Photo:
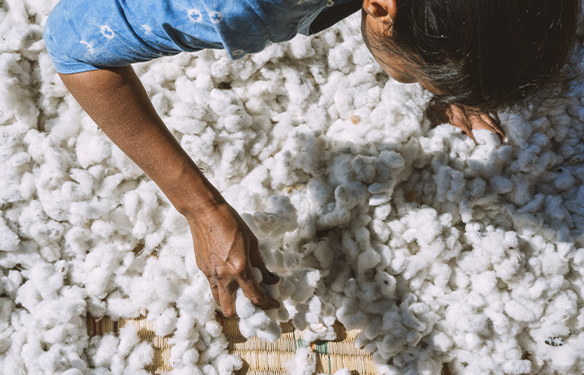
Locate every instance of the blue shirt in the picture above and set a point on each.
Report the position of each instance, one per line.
(83, 35)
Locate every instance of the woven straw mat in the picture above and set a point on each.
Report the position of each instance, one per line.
(259, 357)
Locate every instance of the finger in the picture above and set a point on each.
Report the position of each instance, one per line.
(461, 120)
(494, 126)
(495, 117)
(252, 290)
(227, 298)
(215, 292)
(257, 261)
(471, 135)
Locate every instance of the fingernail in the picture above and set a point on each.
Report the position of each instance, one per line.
(273, 276)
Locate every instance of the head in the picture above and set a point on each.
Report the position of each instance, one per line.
(487, 54)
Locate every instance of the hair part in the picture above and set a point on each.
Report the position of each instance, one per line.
(486, 54)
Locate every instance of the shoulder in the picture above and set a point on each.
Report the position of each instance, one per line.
(280, 20)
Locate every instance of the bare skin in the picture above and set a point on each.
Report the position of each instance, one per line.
(225, 248)
(465, 118)
(377, 17)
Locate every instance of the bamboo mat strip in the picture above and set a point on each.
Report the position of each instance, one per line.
(259, 357)
(262, 357)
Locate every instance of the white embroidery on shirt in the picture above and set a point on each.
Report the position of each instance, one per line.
(88, 46)
(107, 32)
(215, 17)
(330, 3)
(147, 29)
(195, 15)
(237, 52)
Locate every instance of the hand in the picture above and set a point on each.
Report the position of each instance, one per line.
(226, 250)
(463, 117)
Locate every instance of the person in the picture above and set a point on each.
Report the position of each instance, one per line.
(475, 56)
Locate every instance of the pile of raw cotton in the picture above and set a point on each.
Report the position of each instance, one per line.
(442, 252)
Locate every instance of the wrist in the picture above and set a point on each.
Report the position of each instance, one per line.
(190, 192)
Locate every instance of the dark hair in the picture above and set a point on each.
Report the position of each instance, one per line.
(487, 54)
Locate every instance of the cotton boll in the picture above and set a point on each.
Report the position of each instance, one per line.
(305, 285)
(254, 321)
(166, 323)
(244, 307)
(299, 48)
(177, 353)
(209, 370)
(502, 185)
(564, 181)
(286, 288)
(91, 149)
(565, 359)
(343, 371)
(8, 239)
(101, 228)
(424, 218)
(214, 328)
(11, 283)
(441, 341)
(259, 320)
(128, 339)
(524, 311)
(303, 363)
(367, 260)
(107, 348)
(82, 211)
(270, 333)
(380, 230)
(350, 315)
(552, 264)
(141, 356)
(386, 282)
(407, 318)
(227, 364)
(484, 283)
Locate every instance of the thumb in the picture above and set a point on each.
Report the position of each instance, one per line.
(257, 261)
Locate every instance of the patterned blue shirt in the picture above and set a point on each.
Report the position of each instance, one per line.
(83, 35)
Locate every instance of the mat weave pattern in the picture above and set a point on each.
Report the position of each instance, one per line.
(259, 357)
(264, 358)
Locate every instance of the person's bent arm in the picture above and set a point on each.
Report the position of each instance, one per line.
(225, 248)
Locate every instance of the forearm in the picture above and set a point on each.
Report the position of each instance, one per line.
(116, 100)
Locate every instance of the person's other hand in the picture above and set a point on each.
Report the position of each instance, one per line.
(225, 251)
(465, 118)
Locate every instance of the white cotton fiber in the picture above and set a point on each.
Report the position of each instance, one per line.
(303, 363)
(214, 328)
(368, 260)
(448, 255)
(254, 321)
(91, 149)
(166, 323)
(128, 339)
(107, 348)
(141, 356)
(8, 239)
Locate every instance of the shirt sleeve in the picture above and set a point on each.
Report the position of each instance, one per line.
(83, 35)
